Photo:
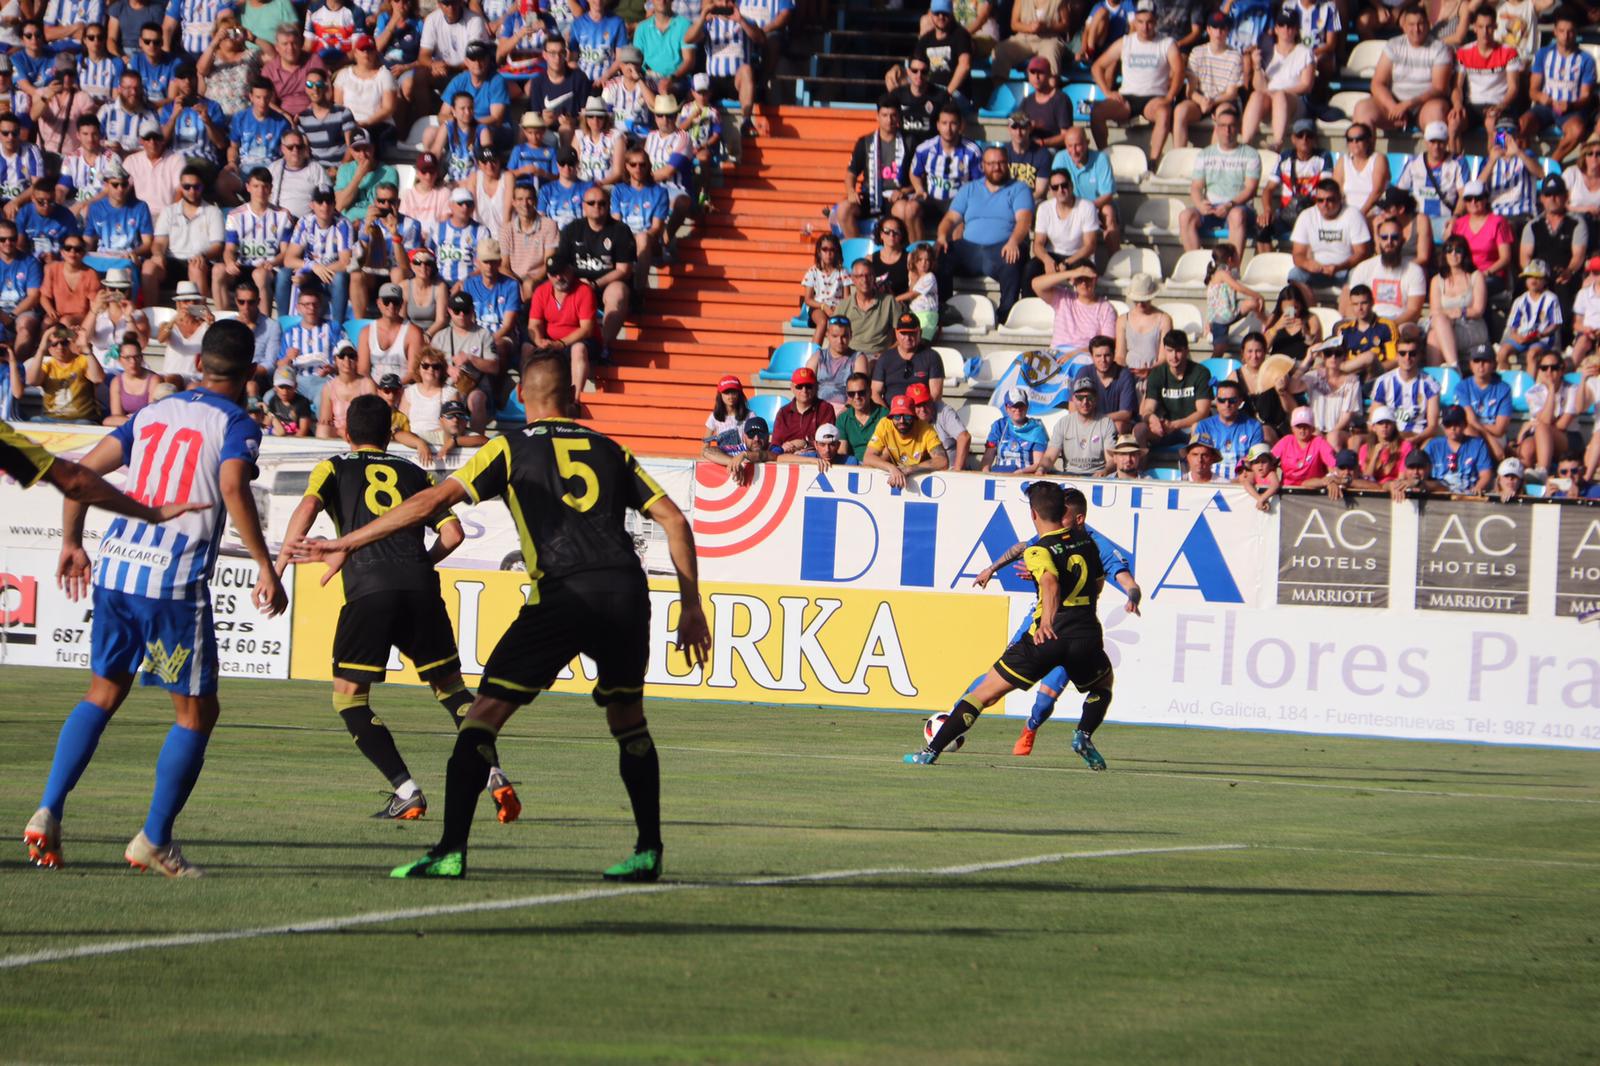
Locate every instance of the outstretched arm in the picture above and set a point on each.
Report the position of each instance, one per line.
(415, 511)
(78, 482)
(268, 594)
(694, 635)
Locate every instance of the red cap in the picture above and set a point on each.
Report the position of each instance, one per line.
(803, 376)
(427, 161)
(730, 382)
(918, 392)
(1594, 265)
(361, 43)
(900, 405)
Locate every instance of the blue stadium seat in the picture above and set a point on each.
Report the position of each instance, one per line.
(1397, 163)
(288, 322)
(1083, 98)
(512, 410)
(1448, 378)
(353, 328)
(786, 359)
(1005, 99)
(856, 248)
(1473, 165)
(766, 407)
(1163, 473)
(1520, 381)
(1220, 367)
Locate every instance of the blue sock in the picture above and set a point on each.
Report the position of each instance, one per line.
(975, 683)
(80, 734)
(1044, 705)
(177, 769)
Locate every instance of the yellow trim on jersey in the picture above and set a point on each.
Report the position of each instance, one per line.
(530, 551)
(429, 666)
(40, 459)
(362, 666)
(1025, 682)
(498, 448)
(319, 477)
(625, 690)
(512, 685)
(1038, 561)
(449, 516)
(656, 491)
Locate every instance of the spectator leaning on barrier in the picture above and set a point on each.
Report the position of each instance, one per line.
(1261, 476)
(995, 216)
(1333, 396)
(1570, 482)
(1304, 457)
(946, 423)
(1127, 458)
(1232, 431)
(1082, 440)
(1509, 480)
(728, 411)
(904, 445)
(741, 451)
(911, 362)
(1416, 476)
(1486, 401)
(1382, 458)
(1226, 176)
(1116, 392)
(1016, 444)
(860, 418)
(1460, 463)
(1409, 393)
(796, 422)
(1177, 393)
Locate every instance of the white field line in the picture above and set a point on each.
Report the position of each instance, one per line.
(1426, 857)
(330, 925)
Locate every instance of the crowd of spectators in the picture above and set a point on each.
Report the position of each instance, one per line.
(1406, 274)
(163, 164)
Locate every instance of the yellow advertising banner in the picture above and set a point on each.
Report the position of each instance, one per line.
(820, 646)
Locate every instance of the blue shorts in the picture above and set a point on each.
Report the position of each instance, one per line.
(173, 642)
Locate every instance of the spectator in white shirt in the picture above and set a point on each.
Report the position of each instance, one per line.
(188, 236)
(1330, 240)
(1398, 285)
(1411, 86)
(1288, 73)
(1066, 230)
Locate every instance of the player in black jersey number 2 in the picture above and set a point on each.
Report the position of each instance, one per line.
(1066, 630)
(568, 489)
(391, 599)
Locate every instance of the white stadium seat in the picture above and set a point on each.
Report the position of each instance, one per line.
(1129, 165)
(1329, 317)
(1363, 61)
(1030, 315)
(1185, 316)
(1156, 218)
(1189, 275)
(1126, 263)
(1267, 272)
(977, 314)
(405, 176)
(1175, 173)
(1119, 306)
(1345, 102)
(978, 417)
(1269, 162)
(954, 364)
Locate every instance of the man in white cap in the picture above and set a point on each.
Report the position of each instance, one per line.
(454, 240)
(1411, 86)
(189, 235)
(497, 300)
(1436, 177)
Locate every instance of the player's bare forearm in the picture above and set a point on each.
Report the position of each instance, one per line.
(299, 526)
(450, 538)
(235, 485)
(1131, 587)
(1049, 604)
(694, 635)
(89, 489)
(415, 511)
(103, 458)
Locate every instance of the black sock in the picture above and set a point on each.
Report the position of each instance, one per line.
(1095, 706)
(958, 721)
(464, 779)
(641, 776)
(372, 737)
(455, 700)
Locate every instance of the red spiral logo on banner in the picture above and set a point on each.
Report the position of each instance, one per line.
(730, 518)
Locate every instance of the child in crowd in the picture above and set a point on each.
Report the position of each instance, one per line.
(1227, 298)
(330, 29)
(1534, 322)
(1260, 476)
(827, 282)
(1383, 457)
(922, 297)
(702, 122)
(533, 162)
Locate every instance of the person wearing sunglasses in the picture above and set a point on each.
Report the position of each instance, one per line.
(345, 385)
(1570, 482)
(68, 379)
(290, 68)
(1328, 241)
(1582, 180)
(1025, 160)
(1486, 399)
(561, 315)
(1362, 173)
(904, 445)
(356, 183)
(98, 69)
(56, 108)
(605, 254)
(69, 287)
(368, 90)
(835, 361)
(858, 420)
(387, 238)
(188, 236)
(44, 222)
(21, 163)
(228, 64)
(1233, 430)
(1397, 285)
(1553, 406)
(1437, 178)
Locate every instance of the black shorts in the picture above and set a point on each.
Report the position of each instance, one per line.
(1138, 103)
(604, 614)
(723, 87)
(1082, 655)
(409, 619)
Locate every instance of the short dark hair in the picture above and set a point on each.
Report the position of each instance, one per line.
(550, 358)
(1566, 13)
(193, 170)
(1100, 340)
(1329, 185)
(952, 109)
(1360, 290)
(244, 284)
(1075, 501)
(259, 174)
(1176, 338)
(1230, 383)
(228, 350)
(887, 102)
(368, 420)
(88, 118)
(1047, 500)
(261, 83)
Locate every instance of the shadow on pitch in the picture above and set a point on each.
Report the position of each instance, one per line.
(692, 929)
(963, 830)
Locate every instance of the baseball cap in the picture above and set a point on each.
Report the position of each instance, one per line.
(919, 393)
(1535, 269)
(1015, 398)
(803, 376)
(900, 406)
(283, 376)
(1303, 125)
(907, 323)
(322, 195)
(1082, 385)
(359, 139)
(1262, 451)
(453, 409)
(1302, 417)
(461, 196)
(629, 54)
(460, 302)
(390, 291)
(1505, 123)
(65, 62)
(1379, 413)
(1482, 353)
(1472, 188)
(1346, 459)
(389, 381)
(700, 83)
(1395, 196)
(826, 433)
(1593, 265)
(1201, 439)
(940, 7)
(1288, 15)
(1552, 185)
(730, 383)
(362, 42)
(427, 161)
(149, 127)
(1453, 416)
(1436, 131)
(485, 153)
(756, 426)
(1040, 63)
(488, 250)
(1019, 117)
(1511, 466)
(114, 171)
(342, 347)
(480, 50)
(1418, 460)
(567, 157)
(1220, 20)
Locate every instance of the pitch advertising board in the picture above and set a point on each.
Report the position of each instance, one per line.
(1473, 556)
(1334, 552)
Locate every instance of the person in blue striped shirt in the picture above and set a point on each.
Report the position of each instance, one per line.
(308, 344)
(1562, 88)
(939, 167)
(1511, 174)
(98, 69)
(20, 163)
(1534, 322)
(32, 65)
(121, 117)
(454, 240)
(321, 245)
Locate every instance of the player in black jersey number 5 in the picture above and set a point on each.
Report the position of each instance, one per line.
(391, 599)
(1066, 630)
(568, 489)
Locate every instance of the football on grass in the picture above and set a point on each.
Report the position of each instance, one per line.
(930, 729)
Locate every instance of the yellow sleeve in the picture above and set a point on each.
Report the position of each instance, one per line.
(1394, 334)
(22, 458)
(1038, 561)
(644, 490)
(489, 472)
(321, 475)
(929, 442)
(399, 422)
(880, 435)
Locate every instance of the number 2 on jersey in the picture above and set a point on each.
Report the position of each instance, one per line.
(383, 490)
(1076, 598)
(568, 467)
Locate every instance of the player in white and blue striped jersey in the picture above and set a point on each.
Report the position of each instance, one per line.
(1535, 321)
(192, 22)
(151, 591)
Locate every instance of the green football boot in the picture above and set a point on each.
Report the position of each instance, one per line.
(452, 864)
(640, 866)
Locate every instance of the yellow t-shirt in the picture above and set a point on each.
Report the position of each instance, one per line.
(68, 392)
(905, 450)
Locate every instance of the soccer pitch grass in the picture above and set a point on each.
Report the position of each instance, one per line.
(1385, 901)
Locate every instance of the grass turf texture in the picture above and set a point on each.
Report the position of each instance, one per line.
(1366, 923)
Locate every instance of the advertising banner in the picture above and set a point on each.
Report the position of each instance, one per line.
(1334, 553)
(1473, 557)
(1578, 562)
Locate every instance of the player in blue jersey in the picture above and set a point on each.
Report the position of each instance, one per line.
(1050, 688)
(152, 599)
